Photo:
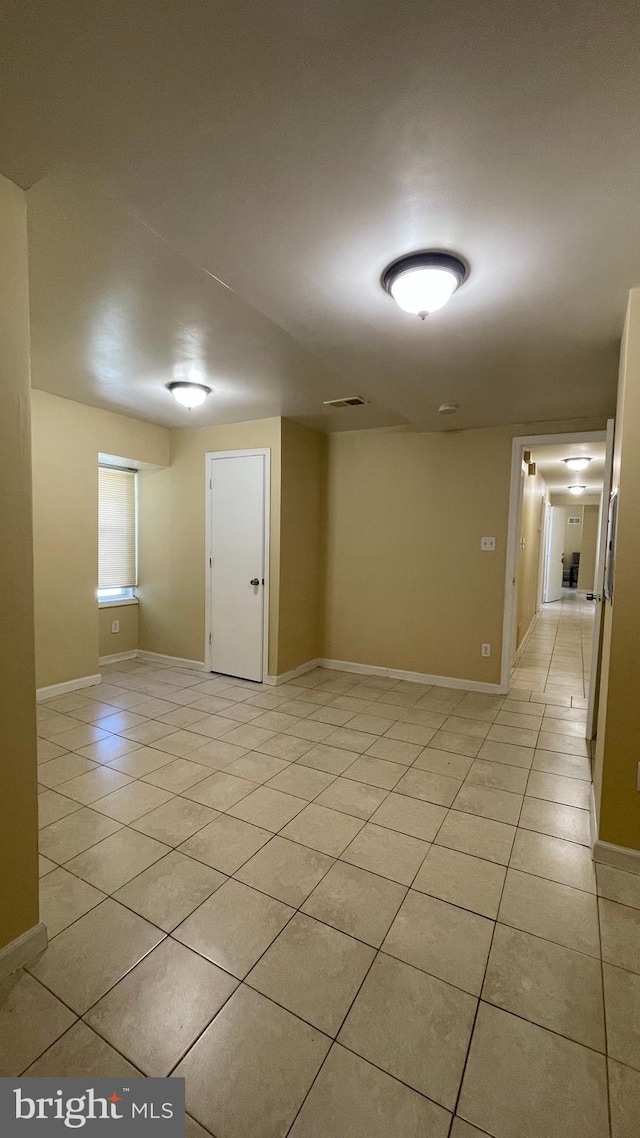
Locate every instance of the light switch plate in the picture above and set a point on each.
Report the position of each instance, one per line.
(488, 544)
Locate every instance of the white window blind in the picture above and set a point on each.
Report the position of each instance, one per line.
(116, 528)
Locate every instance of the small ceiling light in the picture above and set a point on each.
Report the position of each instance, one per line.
(188, 394)
(577, 490)
(423, 282)
(577, 463)
(448, 408)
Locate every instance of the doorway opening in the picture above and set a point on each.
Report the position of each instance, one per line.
(555, 567)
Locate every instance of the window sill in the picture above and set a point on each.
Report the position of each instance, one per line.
(118, 603)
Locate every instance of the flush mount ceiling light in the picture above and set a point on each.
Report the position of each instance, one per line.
(577, 490)
(448, 408)
(188, 394)
(577, 463)
(423, 282)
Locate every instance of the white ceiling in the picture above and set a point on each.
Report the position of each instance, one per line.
(116, 314)
(291, 149)
(549, 461)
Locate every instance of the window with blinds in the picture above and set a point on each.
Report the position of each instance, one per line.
(116, 533)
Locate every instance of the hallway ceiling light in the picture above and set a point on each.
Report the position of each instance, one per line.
(577, 463)
(188, 394)
(448, 408)
(577, 490)
(423, 282)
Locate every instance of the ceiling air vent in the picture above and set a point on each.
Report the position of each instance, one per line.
(348, 401)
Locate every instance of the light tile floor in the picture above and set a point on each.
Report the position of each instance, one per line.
(557, 656)
(347, 907)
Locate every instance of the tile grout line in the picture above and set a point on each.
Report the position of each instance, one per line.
(484, 976)
(373, 961)
(605, 1017)
(365, 822)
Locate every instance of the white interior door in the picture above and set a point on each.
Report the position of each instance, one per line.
(237, 550)
(554, 552)
(601, 549)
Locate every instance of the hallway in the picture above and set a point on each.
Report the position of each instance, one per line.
(557, 656)
(345, 907)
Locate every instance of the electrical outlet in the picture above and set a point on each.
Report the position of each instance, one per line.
(488, 544)
(115, 625)
(486, 650)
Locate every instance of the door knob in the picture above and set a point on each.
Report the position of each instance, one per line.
(254, 581)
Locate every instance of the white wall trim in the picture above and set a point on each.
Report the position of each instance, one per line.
(412, 677)
(509, 622)
(150, 658)
(391, 673)
(527, 636)
(118, 657)
(621, 857)
(68, 685)
(118, 604)
(23, 949)
(293, 673)
(174, 661)
(598, 582)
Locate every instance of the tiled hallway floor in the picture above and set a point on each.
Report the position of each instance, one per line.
(557, 656)
(347, 907)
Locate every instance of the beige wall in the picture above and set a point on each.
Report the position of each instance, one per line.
(587, 573)
(172, 538)
(67, 438)
(402, 582)
(126, 640)
(570, 501)
(618, 740)
(302, 524)
(534, 495)
(407, 585)
(18, 788)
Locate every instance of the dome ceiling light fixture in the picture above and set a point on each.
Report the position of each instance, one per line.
(421, 283)
(188, 394)
(577, 490)
(577, 463)
(448, 408)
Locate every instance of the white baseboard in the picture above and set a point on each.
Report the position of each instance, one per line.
(526, 637)
(293, 673)
(412, 677)
(23, 949)
(175, 661)
(620, 857)
(118, 657)
(334, 665)
(68, 685)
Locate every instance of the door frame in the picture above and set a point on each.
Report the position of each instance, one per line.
(546, 534)
(509, 621)
(547, 550)
(210, 457)
(602, 539)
